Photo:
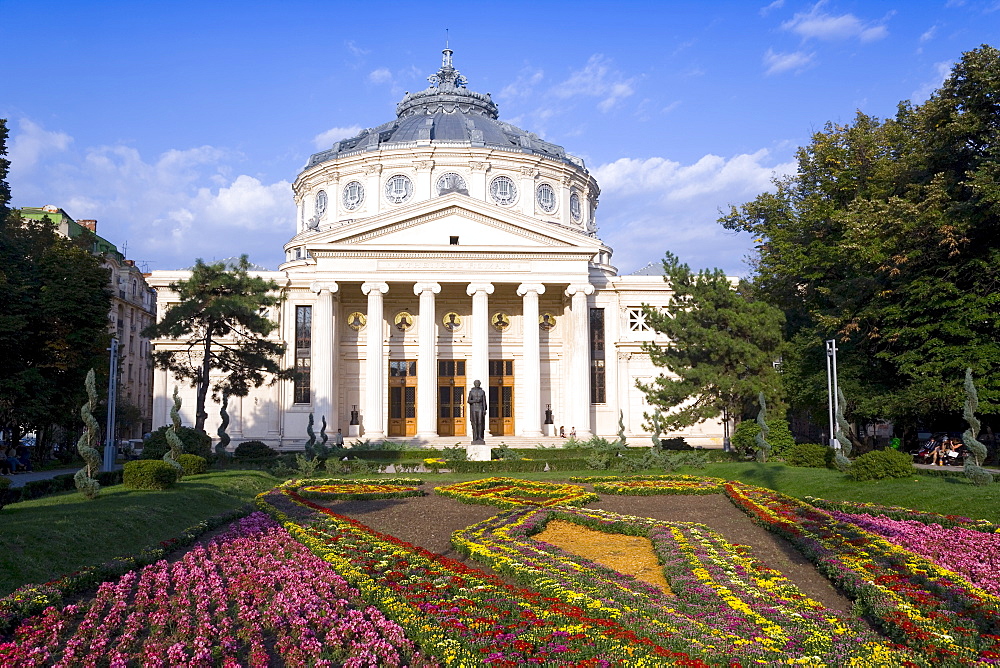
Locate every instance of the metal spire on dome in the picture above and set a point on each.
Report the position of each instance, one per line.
(447, 78)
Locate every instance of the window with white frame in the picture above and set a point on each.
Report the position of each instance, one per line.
(636, 319)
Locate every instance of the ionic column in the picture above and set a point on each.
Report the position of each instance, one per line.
(322, 350)
(427, 360)
(529, 384)
(579, 360)
(374, 415)
(479, 365)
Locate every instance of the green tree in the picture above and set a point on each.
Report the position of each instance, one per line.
(54, 303)
(220, 326)
(887, 238)
(721, 349)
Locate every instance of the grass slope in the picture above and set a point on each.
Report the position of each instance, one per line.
(46, 538)
(947, 495)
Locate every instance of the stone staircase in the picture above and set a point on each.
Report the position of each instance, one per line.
(491, 441)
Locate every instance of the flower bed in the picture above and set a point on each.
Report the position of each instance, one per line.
(898, 513)
(460, 614)
(33, 598)
(513, 493)
(726, 606)
(250, 597)
(916, 602)
(659, 486)
(360, 490)
(972, 554)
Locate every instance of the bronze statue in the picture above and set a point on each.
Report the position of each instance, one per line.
(477, 412)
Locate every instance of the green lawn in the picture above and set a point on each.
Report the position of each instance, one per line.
(46, 538)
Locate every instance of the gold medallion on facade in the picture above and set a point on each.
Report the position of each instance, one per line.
(356, 320)
(451, 321)
(500, 321)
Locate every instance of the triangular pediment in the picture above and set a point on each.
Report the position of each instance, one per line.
(437, 221)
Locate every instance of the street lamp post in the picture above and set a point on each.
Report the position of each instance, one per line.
(831, 389)
(110, 450)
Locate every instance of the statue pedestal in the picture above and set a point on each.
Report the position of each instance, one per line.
(354, 431)
(479, 452)
(549, 429)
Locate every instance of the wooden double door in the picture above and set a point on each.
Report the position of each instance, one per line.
(451, 398)
(501, 397)
(402, 398)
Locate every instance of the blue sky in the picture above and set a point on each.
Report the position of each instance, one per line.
(180, 125)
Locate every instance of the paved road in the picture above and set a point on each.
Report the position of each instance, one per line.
(18, 479)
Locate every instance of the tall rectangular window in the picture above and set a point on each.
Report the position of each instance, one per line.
(303, 353)
(598, 391)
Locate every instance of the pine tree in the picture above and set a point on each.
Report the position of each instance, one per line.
(721, 348)
(220, 325)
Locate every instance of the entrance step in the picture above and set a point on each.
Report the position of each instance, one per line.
(491, 441)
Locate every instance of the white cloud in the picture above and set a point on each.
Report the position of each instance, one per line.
(325, 139)
(929, 34)
(180, 205)
(777, 4)
(657, 204)
(355, 49)
(776, 63)
(524, 84)
(941, 72)
(817, 24)
(34, 142)
(596, 79)
(380, 76)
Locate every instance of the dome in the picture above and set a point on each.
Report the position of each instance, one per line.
(446, 112)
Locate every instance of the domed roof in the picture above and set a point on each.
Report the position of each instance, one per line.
(446, 112)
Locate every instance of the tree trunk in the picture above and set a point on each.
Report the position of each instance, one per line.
(200, 415)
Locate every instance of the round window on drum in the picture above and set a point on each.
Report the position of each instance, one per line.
(574, 205)
(503, 190)
(546, 198)
(398, 189)
(354, 195)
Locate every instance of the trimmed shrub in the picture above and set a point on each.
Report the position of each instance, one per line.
(195, 443)
(149, 474)
(880, 464)
(779, 437)
(675, 443)
(254, 450)
(4, 485)
(812, 455)
(193, 464)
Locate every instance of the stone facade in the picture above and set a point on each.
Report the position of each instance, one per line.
(435, 250)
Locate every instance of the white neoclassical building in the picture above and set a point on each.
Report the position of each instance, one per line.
(437, 249)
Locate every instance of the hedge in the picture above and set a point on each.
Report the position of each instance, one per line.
(149, 474)
(195, 443)
(192, 464)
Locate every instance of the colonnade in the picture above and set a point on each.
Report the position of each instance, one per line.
(527, 381)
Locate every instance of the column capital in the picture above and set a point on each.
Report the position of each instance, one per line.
(525, 288)
(479, 287)
(374, 286)
(585, 288)
(319, 286)
(419, 288)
